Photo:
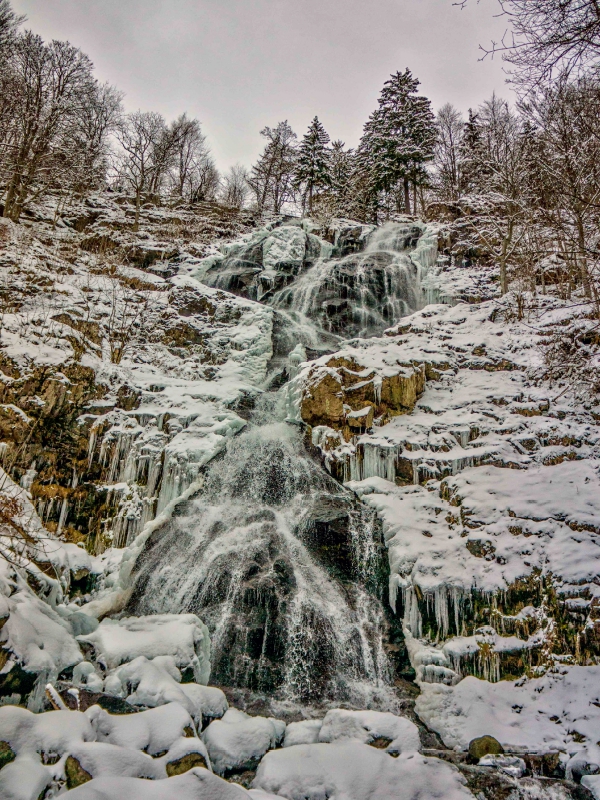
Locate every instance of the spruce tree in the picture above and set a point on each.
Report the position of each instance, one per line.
(398, 138)
(341, 169)
(313, 165)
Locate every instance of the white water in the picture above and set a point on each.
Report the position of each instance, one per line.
(239, 545)
(245, 553)
(358, 295)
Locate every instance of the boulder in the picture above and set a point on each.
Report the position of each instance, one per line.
(75, 773)
(484, 746)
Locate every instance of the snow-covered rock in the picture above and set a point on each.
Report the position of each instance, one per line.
(560, 711)
(197, 784)
(238, 739)
(401, 734)
(157, 681)
(184, 637)
(357, 772)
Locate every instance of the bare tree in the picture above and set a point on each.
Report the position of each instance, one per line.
(448, 179)
(547, 37)
(567, 170)
(235, 187)
(271, 177)
(47, 86)
(141, 163)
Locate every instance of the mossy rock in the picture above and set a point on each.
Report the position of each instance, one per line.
(185, 763)
(76, 774)
(7, 754)
(484, 746)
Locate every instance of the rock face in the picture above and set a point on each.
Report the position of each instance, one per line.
(347, 396)
(266, 262)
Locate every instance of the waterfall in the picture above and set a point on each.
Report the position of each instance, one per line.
(282, 563)
(245, 555)
(360, 294)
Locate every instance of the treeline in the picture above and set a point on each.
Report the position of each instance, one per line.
(61, 130)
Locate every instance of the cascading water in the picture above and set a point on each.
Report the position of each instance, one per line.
(245, 556)
(360, 294)
(281, 562)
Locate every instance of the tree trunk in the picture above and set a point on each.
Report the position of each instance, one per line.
(406, 196)
(138, 201)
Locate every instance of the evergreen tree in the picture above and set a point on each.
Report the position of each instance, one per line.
(341, 170)
(398, 139)
(313, 165)
(470, 153)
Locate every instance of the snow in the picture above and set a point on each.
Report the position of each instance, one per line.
(101, 758)
(551, 506)
(153, 731)
(538, 714)
(365, 726)
(24, 779)
(305, 731)
(592, 782)
(197, 784)
(182, 636)
(155, 682)
(238, 739)
(52, 732)
(355, 771)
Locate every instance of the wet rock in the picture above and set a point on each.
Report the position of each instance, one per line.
(185, 763)
(484, 746)
(577, 769)
(75, 773)
(510, 765)
(7, 754)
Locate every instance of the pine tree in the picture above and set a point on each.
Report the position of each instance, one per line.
(398, 139)
(313, 165)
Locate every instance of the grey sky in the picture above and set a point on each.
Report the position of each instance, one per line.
(239, 65)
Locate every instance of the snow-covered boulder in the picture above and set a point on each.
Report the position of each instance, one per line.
(305, 731)
(24, 779)
(153, 731)
(395, 734)
(238, 739)
(101, 758)
(53, 732)
(183, 636)
(197, 784)
(156, 682)
(354, 771)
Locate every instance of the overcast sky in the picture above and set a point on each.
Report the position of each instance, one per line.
(239, 65)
